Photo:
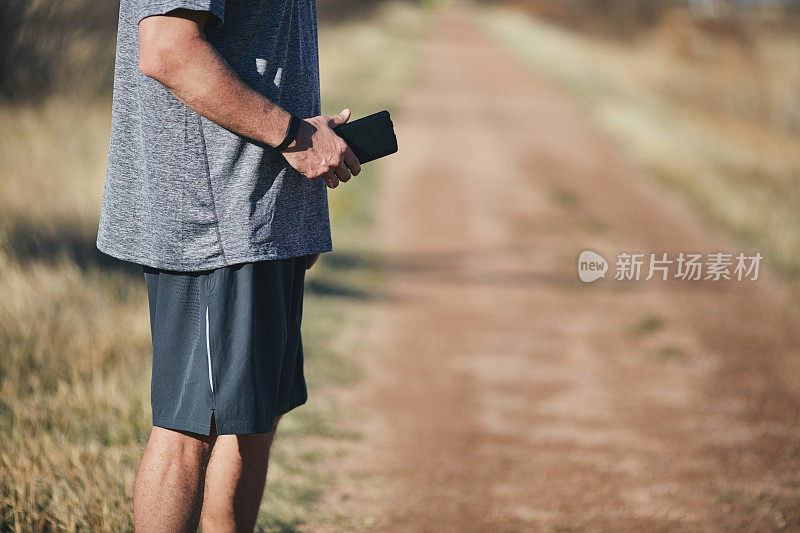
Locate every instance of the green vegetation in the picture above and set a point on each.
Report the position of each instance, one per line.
(74, 327)
(646, 324)
(668, 353)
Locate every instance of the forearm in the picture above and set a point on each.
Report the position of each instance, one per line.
(173, 50)
(197, 75)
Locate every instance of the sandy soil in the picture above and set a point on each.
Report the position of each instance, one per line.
(502, 393)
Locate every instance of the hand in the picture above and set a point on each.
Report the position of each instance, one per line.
(318, 152)
(311, 260)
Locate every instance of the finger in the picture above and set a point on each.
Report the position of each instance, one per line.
(342, 172)
(330, 179)
(341, 118)
(311, 260)
(351, 161)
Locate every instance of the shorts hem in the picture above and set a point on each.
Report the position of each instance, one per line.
(182, 426)
(235, 428)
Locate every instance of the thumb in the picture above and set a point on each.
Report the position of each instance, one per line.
(341, 118)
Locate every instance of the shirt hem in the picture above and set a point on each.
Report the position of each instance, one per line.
(217, 262)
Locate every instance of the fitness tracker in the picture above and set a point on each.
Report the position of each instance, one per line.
(291, 133)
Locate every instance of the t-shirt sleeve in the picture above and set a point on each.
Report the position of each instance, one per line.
(149, 8)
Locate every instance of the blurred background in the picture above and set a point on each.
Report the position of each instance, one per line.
(700, 98)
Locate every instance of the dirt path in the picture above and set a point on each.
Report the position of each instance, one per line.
(506, 395)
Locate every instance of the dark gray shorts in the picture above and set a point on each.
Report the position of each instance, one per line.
(227, 342)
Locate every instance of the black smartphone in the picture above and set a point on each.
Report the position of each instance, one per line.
(369, 137)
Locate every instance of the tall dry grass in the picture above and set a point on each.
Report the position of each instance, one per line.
(74, 327)
(56, 46)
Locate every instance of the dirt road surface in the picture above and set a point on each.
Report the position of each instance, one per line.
(502, 393)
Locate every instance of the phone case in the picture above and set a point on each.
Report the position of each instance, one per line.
(369, 137)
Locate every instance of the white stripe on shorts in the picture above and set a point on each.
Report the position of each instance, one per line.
(208, 352)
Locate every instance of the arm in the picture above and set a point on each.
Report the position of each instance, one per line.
(173, 51)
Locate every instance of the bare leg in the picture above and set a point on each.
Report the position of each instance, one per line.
(235, 480)
(169, 485)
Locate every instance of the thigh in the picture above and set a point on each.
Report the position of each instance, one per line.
(252, 447)
(181, 393)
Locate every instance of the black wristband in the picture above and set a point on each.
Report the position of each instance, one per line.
(291, 133)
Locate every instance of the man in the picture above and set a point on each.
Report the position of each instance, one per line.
(216, 184)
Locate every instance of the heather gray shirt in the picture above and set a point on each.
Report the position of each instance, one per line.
(183, 193)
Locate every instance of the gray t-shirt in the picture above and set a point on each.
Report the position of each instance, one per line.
(183, 193)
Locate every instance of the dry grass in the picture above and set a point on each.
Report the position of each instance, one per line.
(62, 46)
(74, 327)
(711, 110)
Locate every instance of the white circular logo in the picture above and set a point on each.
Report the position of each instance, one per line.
(591, 266)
